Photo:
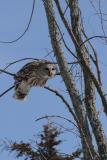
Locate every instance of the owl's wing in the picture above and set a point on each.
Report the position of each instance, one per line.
(26, 70)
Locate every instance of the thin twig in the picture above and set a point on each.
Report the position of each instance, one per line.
(66, 9)
(26, 29)
(90, 38)
(67, 129)
(64, 101)
(96, 59)
(9, 89)
(56, 116)
(101, 19)
(19, 61)
(23, 59)
(41, 152)
(11, 74)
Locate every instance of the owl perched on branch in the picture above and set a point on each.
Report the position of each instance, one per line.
(35, 73)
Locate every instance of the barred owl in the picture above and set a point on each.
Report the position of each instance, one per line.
(35, 73)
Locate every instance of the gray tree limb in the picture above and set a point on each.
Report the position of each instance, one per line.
(67, 77)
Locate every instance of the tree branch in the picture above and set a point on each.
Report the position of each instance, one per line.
(26, 29)
(7, 91)
(81, 58)
(67, 77)
(11, 74)
(64, 101)
(57, 116)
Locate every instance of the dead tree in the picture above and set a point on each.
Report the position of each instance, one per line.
(75, 31)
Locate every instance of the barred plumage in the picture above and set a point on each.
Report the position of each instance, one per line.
(35, 73)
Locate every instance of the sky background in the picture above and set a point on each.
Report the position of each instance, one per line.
(17, 119)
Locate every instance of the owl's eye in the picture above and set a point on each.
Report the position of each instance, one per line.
(53, 69)
(46, 69)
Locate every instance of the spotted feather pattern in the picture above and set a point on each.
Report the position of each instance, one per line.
(32, 74)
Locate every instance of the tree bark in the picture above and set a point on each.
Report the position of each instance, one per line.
(68, 80)
(88, 83)
(79, 45)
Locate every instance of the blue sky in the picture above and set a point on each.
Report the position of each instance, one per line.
(17, 118)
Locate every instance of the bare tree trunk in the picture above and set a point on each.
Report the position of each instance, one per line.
(79, 45)
(88, 149)
(89, 86)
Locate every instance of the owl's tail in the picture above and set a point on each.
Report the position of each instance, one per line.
(21, 91)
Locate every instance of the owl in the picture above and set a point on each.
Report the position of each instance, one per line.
(33, 74)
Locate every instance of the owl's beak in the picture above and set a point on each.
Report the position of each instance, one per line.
(50, 73)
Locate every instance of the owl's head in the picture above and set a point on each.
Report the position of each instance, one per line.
(48, 70)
